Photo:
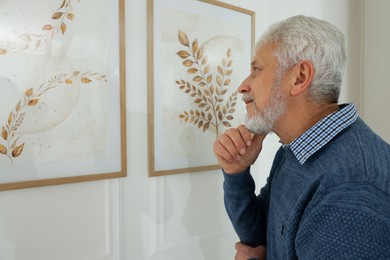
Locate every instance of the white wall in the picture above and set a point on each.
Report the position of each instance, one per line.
(376, 91)
(165, 218)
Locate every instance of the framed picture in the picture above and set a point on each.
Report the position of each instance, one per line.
(62, 77)
(199, 53)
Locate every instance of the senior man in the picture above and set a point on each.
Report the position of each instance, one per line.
(328, 192)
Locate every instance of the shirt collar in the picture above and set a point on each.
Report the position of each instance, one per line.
(322, 132)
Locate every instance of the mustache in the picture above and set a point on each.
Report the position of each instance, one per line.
(247, 98)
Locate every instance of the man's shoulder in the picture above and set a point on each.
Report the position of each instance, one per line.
(358, 140)
(357, 155)
(359, 130)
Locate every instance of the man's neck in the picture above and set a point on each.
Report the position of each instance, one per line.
(297, 121)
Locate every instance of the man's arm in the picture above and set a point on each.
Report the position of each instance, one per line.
(236, 150)
(246, 211)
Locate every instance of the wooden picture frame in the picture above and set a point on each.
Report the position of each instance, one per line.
(198, 54)
(63, 105)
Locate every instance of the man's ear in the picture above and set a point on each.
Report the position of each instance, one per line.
(302, 77)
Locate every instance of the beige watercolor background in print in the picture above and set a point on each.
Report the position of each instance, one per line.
(200, 58)
(58, 87)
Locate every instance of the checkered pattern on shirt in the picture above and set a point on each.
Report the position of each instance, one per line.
(322, 132)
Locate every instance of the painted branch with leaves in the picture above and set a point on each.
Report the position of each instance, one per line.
(10, 145)
(207, 89)
(59, 19)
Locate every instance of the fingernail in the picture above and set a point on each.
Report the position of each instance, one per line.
(238, 158)
(248, 143)
(242, 151)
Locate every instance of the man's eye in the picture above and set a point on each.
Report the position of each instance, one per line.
(256, 69)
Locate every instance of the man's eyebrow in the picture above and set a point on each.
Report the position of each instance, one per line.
(255, 63)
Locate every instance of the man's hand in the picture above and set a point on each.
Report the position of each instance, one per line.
(245, 252)
(237, 149)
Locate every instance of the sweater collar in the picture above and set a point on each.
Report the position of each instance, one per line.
(322, 132)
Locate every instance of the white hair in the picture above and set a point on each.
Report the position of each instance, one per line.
(306, 38)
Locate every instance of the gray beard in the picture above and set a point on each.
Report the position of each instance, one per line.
(262, 123)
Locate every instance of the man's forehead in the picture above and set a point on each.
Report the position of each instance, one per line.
(263, 53)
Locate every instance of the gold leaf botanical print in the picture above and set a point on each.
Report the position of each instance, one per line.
(199, 54)
(188, 63)
(3, 149)
(207, 88)
(18, 150)
(32, 102)
(85, 80)
(57, 15)
(10, 118)
(11, 146)
(4, 133)
(192, 70)
(195, 46)
(47, 27)
(28, 92)
(34, 41)
(17, 108)
(183, 38)
(183, 54)
(63, 28)
(70, 16)
(229, 52)
(63, 3)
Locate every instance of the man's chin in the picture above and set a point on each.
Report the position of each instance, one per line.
(256, 125)
(260, 131)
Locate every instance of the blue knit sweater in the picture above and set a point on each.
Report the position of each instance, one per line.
(334, 206)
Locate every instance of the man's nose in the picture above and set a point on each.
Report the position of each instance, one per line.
(245, 86)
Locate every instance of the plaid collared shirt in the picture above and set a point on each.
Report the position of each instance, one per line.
(322, 132)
